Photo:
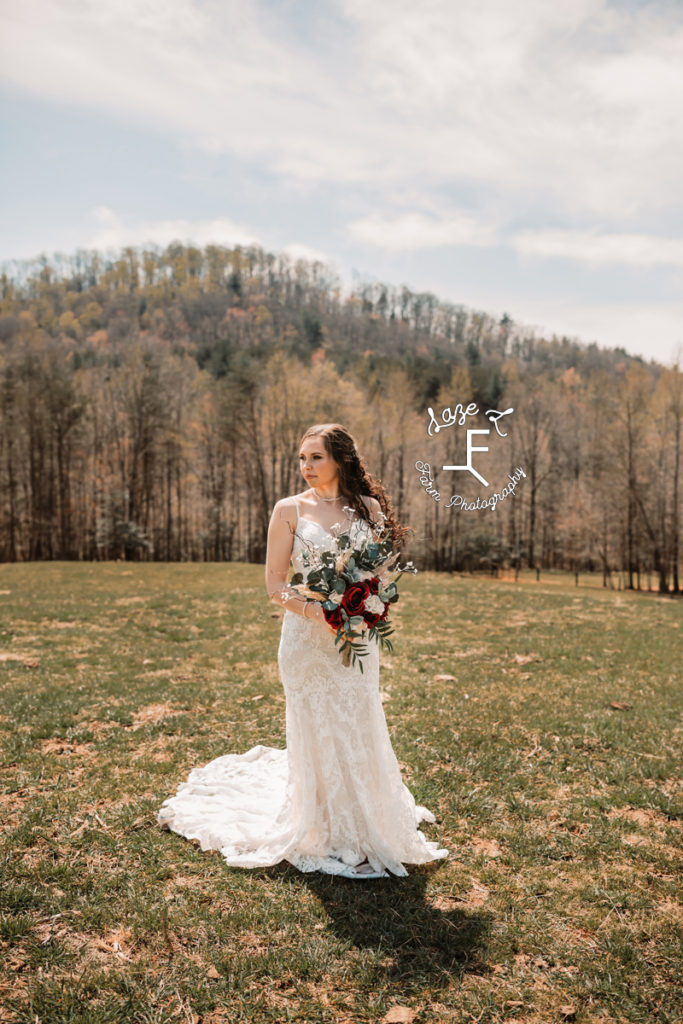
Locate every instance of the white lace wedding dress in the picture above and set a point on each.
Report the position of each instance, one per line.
(333, 800)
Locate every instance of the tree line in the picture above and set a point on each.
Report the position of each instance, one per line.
(151, 406)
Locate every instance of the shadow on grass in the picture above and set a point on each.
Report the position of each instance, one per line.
(417, 943)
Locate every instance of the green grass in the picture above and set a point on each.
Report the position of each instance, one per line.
(562, 813)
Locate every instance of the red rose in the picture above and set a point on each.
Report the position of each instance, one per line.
(371, 618)
(373, 583)
(334, 617)
(354, 598)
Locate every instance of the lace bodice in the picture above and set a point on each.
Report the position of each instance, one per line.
(310, 535)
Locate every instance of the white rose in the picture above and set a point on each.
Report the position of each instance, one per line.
(374, 605)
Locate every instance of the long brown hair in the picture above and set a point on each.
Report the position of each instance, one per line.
(355, 479)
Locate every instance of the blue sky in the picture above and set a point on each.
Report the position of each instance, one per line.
(523, 158)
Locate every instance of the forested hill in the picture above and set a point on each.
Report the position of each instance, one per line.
(151, 407)
(229, 308)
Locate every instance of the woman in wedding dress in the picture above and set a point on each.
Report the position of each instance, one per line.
(333, 800)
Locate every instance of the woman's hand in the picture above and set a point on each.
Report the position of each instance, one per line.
(320, 617)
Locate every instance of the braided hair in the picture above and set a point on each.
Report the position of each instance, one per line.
(355, 480)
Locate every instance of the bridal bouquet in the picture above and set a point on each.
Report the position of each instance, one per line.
(355, 583)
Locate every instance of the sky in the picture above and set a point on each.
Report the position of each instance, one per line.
(522, 158)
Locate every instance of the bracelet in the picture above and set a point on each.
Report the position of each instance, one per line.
(304, 612)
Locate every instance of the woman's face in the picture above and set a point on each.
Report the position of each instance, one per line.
(318, 467)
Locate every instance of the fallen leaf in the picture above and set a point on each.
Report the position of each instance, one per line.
(633, 839)
(488, 846)
(212, 973)
(523, 659)
(115, 942)
(444, 679)
(444, 902)
(57, 746)
(23, 658)
(620, 705)
(152, 714)
(478, 894)
(399, 1015)
(215, 1017)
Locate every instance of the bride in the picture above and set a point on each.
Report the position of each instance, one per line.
(333, 800)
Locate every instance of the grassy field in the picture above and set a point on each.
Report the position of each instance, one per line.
(539, 721)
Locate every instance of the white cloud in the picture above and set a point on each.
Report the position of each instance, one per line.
(652, 331)
(299, 251)
(596, 248)
(540, 100)
(445, 124)
(113, 233)
(572, 107)
(416, 231)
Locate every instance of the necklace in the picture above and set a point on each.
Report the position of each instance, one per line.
(325, 499)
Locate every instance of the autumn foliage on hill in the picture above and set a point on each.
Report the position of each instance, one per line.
(151, 406)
